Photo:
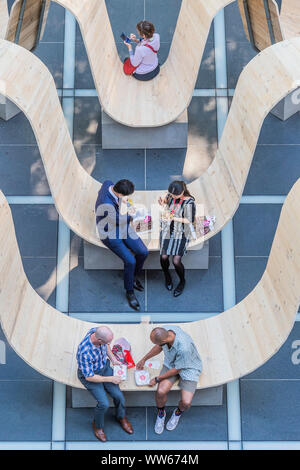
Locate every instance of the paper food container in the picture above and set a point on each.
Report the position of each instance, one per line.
(142, 377)
(121, 371)
(153, 364)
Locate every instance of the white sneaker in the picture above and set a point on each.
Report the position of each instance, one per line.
(173, 421)
(160, 424)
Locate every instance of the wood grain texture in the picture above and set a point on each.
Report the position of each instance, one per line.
(290, 18)
(231, 344)
(126, 100)
(30, 24)
(285, 25)
(268, 78)
(163, 99)
(3, 18)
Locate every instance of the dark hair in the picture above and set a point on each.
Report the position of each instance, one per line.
(177, 187)
(146, 28)
(124, 187)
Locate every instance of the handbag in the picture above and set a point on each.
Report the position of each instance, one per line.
(128, 68)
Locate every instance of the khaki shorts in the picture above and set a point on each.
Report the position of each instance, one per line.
(187, 385)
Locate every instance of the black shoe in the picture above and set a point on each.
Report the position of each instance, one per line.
(179, 289)
(168, 281)
(132, 300)
(138, 285)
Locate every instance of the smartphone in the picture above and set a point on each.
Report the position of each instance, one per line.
(125, 38)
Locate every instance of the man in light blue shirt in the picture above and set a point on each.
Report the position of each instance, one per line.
(181, 362)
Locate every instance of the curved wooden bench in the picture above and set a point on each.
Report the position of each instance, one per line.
(3, 18)
(29, 34)
(290, 18)
(162, 100)
(268, 78)
(144, 104)
(231, 344)
(263, 33)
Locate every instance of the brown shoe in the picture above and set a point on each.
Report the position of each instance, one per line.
(125, 424)
(99, 433)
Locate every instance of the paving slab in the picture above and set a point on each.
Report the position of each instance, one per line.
(274, 170)
(26, 410)
(36, 229)
(254, 228)
(203, 291)
(197, 424)
(22, 171)
(270, 410)
(79, 425)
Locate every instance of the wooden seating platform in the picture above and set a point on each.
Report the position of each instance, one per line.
(231, 344)
(269, 77)
(264, 25)
(144, 104)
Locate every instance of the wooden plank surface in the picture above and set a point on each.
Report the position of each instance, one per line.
(285, 25)
(259, 23)
(264, 81)
(3, 18)
(232, 344)
(290, 18)
(30, 24)
(163, 99)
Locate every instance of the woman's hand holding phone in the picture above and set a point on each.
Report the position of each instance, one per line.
(133, 37)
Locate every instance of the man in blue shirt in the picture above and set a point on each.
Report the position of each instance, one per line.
(115, 231)
(95, 373)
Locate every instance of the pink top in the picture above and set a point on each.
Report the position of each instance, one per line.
(144, 57)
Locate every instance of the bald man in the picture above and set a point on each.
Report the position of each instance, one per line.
(181, 361)
(95, 373)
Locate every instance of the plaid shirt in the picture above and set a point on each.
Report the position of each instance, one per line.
(90, 358)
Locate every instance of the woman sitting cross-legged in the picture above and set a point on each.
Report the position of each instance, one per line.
(176, 231)
(143, 63)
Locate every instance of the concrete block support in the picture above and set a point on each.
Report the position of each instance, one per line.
(8, 110)
(287, 107)
(209, 397)
(102, 258)
(118, 136)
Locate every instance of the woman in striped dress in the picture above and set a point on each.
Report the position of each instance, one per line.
(176, 231)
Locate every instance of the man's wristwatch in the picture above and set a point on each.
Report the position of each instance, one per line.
(157, 380)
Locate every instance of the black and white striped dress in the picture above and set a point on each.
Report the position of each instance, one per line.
(175, 236)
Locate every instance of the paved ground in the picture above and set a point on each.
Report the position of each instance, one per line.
(266, 407)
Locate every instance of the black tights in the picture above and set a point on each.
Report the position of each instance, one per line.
(179, 268)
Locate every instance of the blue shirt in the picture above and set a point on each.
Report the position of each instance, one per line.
(91, 358)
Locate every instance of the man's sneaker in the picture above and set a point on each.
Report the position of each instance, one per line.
(173, 421)
(160, 424)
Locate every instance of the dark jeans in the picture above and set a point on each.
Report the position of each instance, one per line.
(133, 253)
(98, 390)
(144, 77)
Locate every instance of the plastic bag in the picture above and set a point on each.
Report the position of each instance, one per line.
(121, 351)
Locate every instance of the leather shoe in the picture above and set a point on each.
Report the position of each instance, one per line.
(179, 289)
(168, 281)
(125, 425)
(99, 433)
(132, 300)
(138, 285)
